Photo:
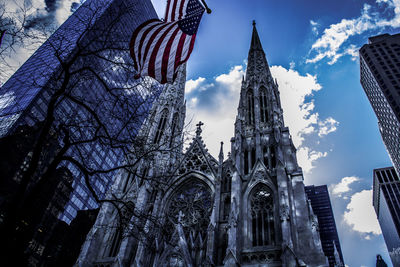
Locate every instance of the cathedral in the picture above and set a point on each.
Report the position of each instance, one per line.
(178, 208)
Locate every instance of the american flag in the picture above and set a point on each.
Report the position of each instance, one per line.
(159, 47)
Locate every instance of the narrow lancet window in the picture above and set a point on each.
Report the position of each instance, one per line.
(246, 161)
(253, 158)
(161, 126)
(173, 129)
(250, 107)
(265, 157)
(262, 217)
(116, 243)
(273, 156)
(263, 105)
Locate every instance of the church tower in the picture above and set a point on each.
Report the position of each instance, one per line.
(194, 210)
(270, 219)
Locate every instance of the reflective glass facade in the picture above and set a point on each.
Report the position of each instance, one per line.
(99, 31)
(386, 201)
(380, 78)
(321, 205)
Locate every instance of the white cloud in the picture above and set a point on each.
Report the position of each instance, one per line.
(333, 43)
(299, 114)
(192, 84)
(327, 126)
(218, 120)
(40, 19)
(232, 79)
(344, 185)
(306, 158)
(360, 215)
(314, 27)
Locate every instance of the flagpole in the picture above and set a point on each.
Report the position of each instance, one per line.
(207, 9)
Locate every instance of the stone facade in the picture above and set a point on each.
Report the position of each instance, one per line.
(195, 210)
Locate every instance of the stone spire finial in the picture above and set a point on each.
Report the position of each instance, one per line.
(198, 130)
(255, 39)
(221, 153)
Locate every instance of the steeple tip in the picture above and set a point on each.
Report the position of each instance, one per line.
(255, 40)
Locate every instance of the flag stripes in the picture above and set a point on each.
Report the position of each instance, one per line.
(159, 47)
(176, 10)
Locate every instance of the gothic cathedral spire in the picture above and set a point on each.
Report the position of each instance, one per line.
(249, 210)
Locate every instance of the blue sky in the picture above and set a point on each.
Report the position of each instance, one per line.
(312, 47)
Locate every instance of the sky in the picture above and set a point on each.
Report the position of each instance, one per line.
(312, 48)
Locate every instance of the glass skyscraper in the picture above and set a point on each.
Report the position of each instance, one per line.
(380, 78)
(386, 201)
(321, 205)
(85, 72)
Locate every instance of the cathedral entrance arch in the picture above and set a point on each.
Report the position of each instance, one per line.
(187, 210)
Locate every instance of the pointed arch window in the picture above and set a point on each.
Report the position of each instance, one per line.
(273, 156)
(250, 107)
(246, 162)
(265, 157)
(191, 206)
(173, 129)
(262, 216)
(263, 105)
(116, 243)
(161, 126)
(227, 207)
(226, 183)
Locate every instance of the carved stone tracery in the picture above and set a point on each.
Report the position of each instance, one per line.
(262, 214)
(190, 207)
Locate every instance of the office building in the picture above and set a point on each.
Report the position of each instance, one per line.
(83, 76)
(321, 205)
(386, 202)
(380, 78)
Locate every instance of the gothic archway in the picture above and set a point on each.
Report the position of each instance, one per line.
(188, 208)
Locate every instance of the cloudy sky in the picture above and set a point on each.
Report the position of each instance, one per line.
(312, 48)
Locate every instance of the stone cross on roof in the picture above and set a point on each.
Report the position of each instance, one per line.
(198, 130)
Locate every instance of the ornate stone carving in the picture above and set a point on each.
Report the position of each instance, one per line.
(261, 257)
(284, 213)
(195, 160)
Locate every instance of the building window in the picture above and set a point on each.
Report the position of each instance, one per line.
(263, 105)
(161, 126)
(116, 243)
(173, 128)
(265, 157)
(273, 156)
(250, 107)
(262, 216)
(191, 207)
(246, 161)
(227, 208)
